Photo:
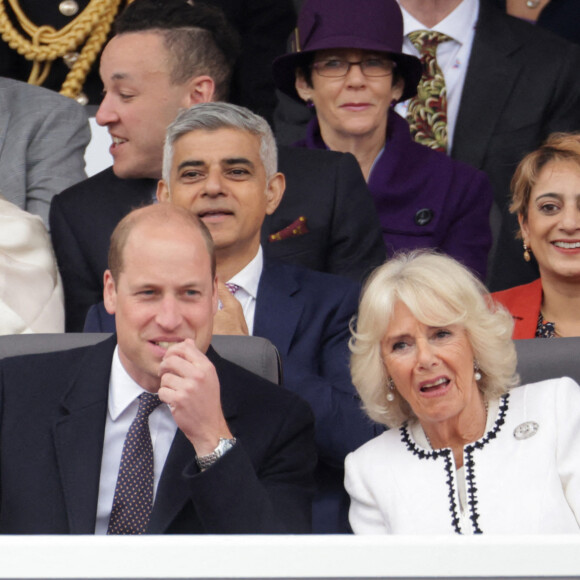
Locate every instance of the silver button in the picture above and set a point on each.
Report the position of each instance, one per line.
(82, 99)
(526, 430)
(68, 7)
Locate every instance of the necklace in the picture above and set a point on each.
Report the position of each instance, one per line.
(531, 4)
(486, 404)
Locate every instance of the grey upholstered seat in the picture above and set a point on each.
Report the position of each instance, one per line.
(538, 359)
(254, 353)
(547, 358)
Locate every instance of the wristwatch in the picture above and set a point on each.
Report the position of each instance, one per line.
(224, 445)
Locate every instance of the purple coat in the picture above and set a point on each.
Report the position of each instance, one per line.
(425, 199)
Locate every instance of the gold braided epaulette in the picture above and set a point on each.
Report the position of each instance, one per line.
(45, 44)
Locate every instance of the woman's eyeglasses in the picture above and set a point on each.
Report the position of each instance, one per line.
(370, 67)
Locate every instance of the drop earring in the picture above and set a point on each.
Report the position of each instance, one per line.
(477, 372)
(391, 393)
(527, 256)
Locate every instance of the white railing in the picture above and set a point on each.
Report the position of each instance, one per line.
(289, 557)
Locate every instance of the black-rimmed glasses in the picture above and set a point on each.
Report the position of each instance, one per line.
(339, 67)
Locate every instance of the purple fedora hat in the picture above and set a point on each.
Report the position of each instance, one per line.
(367, 24)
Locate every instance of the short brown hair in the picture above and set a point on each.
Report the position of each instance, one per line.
(156, 212)
(558, 147)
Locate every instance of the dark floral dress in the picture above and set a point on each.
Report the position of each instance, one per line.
(545, 329)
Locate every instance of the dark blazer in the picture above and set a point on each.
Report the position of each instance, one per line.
(52, 424)
(560, 16)
(522, 84)
(341, 233)
(264, 27)
(305, 315)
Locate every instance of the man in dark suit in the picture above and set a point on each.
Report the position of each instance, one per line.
(326, 221)
(220, 163)
(229, 452)
(521, 84)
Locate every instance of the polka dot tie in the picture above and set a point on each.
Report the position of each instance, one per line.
(134, 490)
(427, 112)
(233, 288)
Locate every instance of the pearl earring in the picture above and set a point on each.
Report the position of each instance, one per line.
(391, 393)
(477, 373)
(527, 256)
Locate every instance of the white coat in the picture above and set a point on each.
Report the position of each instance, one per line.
(514, 483)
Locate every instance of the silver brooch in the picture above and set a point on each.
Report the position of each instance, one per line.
(526, 430)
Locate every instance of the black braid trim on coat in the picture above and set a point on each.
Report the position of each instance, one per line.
(446, 454)
(470, 463)
(435, 454)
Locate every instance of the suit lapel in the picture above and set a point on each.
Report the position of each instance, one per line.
(493, 70)
(278, 305)
(79, 435)
(173, 491)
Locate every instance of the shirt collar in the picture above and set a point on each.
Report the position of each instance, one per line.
(249, 277)
(123, 390)
(458, 25)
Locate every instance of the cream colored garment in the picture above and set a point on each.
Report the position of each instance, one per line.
(31, 295)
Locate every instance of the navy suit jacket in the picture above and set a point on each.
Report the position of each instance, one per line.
(306, 314)
(52, 420)
(342, 234)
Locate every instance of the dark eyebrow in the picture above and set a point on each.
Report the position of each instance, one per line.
(238, 161)
(190, 163)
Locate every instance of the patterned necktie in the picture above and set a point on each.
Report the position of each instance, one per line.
(427, 112)
(134, 490)
(233, 288)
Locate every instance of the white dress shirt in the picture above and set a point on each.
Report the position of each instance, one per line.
(452, 56)
(122, 409)
(248, 280)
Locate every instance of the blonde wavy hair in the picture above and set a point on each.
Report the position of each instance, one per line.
(438, 291)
